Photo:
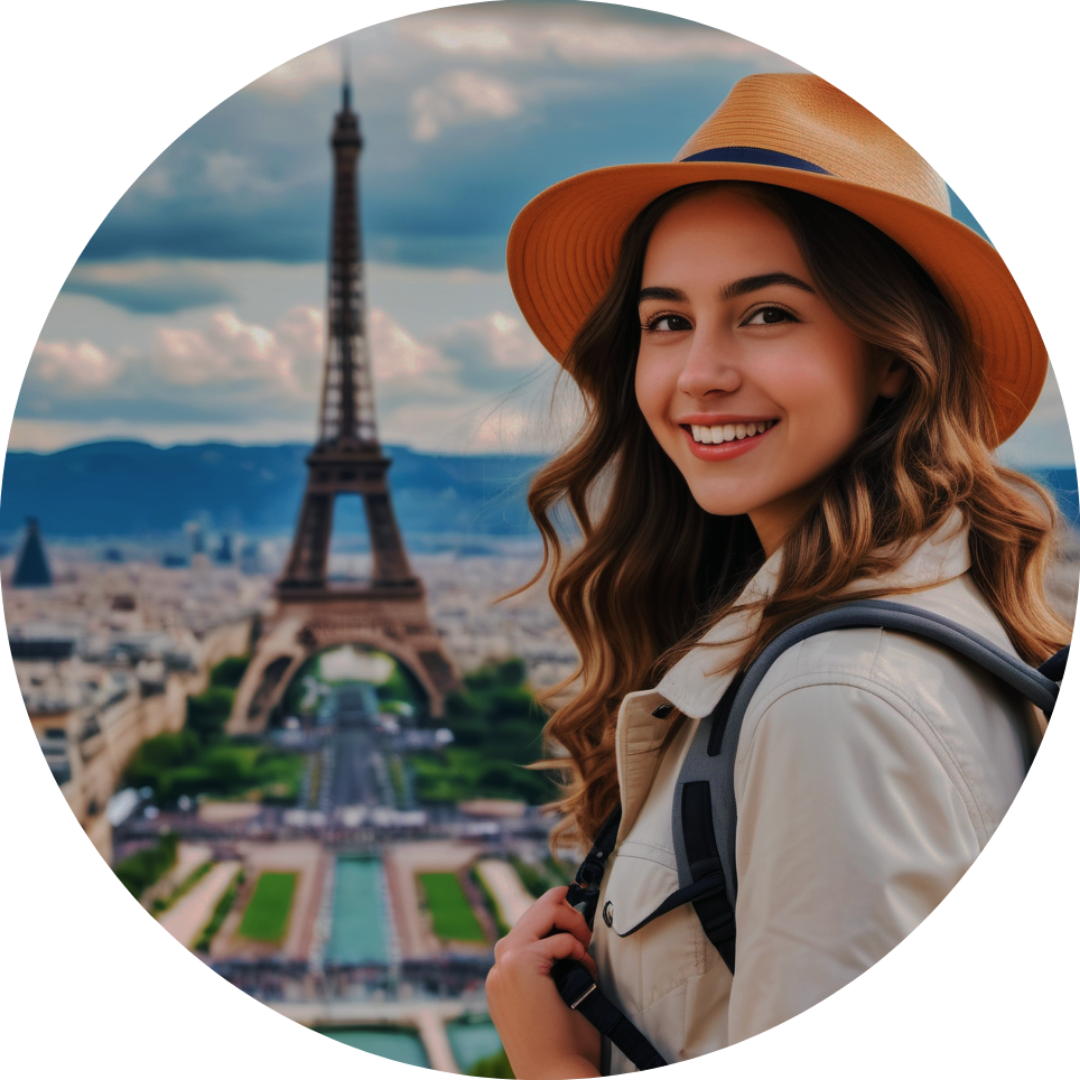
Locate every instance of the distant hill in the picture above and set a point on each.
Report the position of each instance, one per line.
(132, 489)
(127, 489)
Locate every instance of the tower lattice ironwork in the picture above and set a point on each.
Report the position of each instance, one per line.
(347, 457)
(389, 612)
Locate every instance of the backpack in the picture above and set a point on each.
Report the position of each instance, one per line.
(704, 811)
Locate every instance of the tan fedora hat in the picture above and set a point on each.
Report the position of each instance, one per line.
(794, 131)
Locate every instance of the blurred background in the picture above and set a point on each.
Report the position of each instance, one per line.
(349, 851)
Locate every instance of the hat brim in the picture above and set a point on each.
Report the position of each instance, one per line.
(563, 246)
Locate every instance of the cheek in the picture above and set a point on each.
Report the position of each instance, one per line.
(652, 391)
(832, 393)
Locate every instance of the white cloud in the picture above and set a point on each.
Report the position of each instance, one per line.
(582, 38)
(485, 347)
(476, 37)
(494, 34)
(319, 67)
(149, 286)
(156, 181)
(511, 344)
(646, 44)
(370, 52)
(45, 435)
(124, 273)
(229, 173)
(228, 350)
(459, 97)
(396, 355)
(79, 364)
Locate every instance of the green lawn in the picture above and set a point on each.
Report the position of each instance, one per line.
(266, 916)
(451, 912)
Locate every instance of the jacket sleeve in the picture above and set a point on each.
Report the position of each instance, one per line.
(851, 830)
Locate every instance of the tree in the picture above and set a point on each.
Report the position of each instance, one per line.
(229, 672)
(208, 712)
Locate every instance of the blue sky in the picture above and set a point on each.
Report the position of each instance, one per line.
(196, 310)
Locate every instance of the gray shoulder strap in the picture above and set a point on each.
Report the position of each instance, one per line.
(711, 756)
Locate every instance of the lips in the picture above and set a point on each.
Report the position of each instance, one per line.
(731, 439)
(731, 431)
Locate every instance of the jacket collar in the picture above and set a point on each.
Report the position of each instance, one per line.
(697, 682)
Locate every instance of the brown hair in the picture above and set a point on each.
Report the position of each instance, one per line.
(653, 570)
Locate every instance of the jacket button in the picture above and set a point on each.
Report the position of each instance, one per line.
(609, 913)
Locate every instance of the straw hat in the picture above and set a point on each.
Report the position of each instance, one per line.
(794, 131)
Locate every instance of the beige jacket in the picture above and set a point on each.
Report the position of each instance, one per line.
(871, 770)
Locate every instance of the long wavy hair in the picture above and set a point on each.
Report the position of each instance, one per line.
(651, 570)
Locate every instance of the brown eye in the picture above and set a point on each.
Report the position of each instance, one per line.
(769, 316)
(667, 324)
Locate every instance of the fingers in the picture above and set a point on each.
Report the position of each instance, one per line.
(531, 966)
(559, 947)
(551, 912)
(525, 960)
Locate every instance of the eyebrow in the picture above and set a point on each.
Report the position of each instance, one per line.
(732, 290)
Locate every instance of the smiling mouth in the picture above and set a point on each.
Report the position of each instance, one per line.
(725, 433)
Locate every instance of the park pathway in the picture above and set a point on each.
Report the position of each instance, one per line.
(186, 918)
(505, 885)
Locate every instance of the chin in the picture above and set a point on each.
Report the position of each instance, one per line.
(721, 506)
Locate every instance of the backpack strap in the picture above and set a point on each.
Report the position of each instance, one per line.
(703, 811)
(584, 890)
(574, 983)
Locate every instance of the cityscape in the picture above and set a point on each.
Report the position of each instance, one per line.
(393, 891)
(312, 778)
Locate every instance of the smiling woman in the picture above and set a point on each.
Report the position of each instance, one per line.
(796, 367)
(726, 309)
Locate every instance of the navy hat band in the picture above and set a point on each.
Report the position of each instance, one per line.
(754, 155)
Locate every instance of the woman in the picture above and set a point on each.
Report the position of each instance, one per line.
(795, 366)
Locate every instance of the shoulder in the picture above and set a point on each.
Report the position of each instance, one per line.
(871, 699)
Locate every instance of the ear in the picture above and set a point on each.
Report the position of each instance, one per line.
(894, 376)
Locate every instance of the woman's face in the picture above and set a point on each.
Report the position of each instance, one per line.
(749, 381)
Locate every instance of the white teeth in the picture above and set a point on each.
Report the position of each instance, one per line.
(721, 433)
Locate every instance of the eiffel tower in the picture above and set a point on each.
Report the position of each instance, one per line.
(388, 613)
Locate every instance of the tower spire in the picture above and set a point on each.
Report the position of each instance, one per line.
(347, 414)
(346, 77)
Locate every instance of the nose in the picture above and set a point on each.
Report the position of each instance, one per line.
(710, 366)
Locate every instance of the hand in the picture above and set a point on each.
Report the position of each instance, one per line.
(544, 1038)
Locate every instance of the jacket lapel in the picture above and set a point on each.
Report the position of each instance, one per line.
(697, 682)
